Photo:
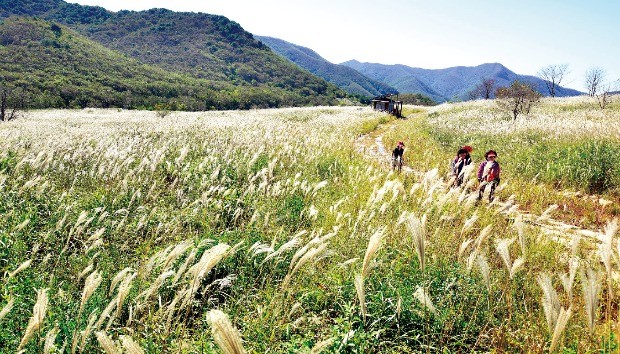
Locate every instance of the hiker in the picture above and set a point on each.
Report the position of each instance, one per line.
(397, 156)
(461, 160)
(488, 174)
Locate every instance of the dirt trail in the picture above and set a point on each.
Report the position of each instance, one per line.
(372, 147)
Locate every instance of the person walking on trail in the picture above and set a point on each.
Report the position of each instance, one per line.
(397, 156)
(488, 175)
(461, 160)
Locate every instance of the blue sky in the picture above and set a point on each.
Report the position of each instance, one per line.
(524, 35)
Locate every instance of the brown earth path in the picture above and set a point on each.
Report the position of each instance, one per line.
(372, 147)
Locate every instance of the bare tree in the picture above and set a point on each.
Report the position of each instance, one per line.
(484, 90)
(604, 95)
(12, 101)
(518, 98)
(594, 79)
(553, 76)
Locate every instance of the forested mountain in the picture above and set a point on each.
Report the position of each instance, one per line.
(58, 67)
(342, 76)
(204, 46)
(447, 84)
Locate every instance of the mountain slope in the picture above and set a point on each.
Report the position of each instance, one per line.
(59, 68)
(447, 84)
(206, 46)
(342, 76)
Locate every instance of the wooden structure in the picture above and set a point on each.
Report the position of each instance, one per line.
(385, 103)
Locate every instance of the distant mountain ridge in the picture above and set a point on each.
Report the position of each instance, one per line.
(342, 76)
(450, 84)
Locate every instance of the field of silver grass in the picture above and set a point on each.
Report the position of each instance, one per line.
(265, 231)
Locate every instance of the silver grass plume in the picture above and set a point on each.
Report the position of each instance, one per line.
(469, 223)
(591, 284)
(371, 251)
(21, 267)
(322, 345)
(50, 338)
(90, 285)
(569, 279)
(106, 343)
(7, 308)
(224, 333)
(117, 278)
(38, 315)
(502, 247)
(417, 228)
(484, 234)
(361, 294)
(563, 318)
(520, 226)
(485, 271)
(550, 300)
(130, 345)
(421, 295)
(574, 245)
(85, 333)
(605, 249)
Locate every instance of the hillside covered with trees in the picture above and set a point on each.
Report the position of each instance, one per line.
(57, 67)
(212, 60)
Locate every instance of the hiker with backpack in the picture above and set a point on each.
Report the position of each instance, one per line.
(488, 175)
(397, 156)
(461, 160)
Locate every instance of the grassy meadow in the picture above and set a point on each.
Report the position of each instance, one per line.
(268, 231)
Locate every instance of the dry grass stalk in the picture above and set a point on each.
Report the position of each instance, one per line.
(224, 333)
(38, 315)
(361, 294)
(417, 228)
(550, 301)
(130, 345)
(90, 285)
(591, 283)
(50, 339)
(421, 295)
(7, 308)
(106, 343)
(563, 318)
